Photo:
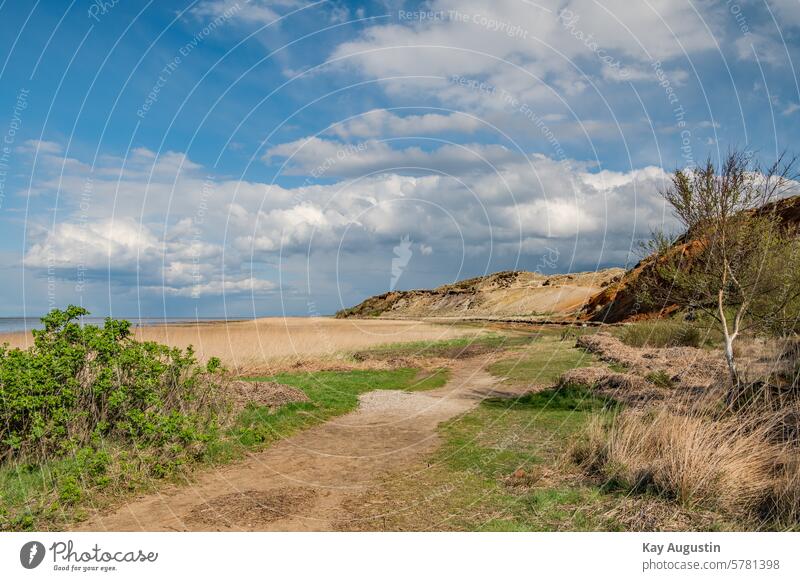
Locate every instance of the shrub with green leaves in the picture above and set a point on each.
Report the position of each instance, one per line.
(81, 384)
(664, 333)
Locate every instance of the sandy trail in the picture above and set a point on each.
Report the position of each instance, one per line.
(302, 483)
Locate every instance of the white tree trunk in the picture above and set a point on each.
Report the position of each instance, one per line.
(733, 392)
(730, 359)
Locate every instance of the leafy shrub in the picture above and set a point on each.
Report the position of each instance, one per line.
(79, 385)
(663, 333)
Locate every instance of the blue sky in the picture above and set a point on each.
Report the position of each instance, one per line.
(223, 157)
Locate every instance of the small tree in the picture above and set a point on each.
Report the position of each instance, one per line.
(736, 260)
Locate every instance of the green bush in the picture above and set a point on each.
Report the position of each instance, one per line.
(80, 385)
(663, 333)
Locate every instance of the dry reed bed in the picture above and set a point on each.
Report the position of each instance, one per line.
(730, 464)
(276, 344)
(689, 367)
(629, 388)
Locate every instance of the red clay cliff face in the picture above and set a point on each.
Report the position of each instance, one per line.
(619, 302)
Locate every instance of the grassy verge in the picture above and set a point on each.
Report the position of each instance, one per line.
(507, 454)
(52, 494)
(452, 348)
(542, 362)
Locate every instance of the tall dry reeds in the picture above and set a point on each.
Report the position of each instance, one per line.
(731, 463)
(280, 342)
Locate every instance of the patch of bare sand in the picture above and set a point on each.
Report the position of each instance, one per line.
(505, 294)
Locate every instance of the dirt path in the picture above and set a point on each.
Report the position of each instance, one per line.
(303, 482)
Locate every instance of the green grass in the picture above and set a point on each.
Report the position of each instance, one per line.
(531, 433)
(569, 398)
(504, 434)
(617, 367)
(543, 363)
(452, 347)
(659, 378)
(53, 494)
(21, 507)
(673, 332)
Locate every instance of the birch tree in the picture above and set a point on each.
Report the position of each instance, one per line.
(736, 260)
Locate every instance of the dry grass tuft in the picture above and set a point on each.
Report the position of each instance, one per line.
(653, 514)
(786, 491)
(262, 393)
(629, 388)
(730, 464)
(680, 440)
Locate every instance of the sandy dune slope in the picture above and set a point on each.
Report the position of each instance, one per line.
(506, 293)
